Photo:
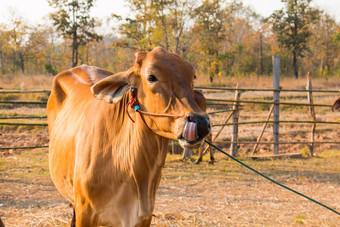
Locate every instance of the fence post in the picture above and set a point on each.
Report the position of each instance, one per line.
(276, 85)
(312, 113)
(234, 145)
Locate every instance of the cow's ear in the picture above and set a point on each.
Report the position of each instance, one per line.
(111, 89)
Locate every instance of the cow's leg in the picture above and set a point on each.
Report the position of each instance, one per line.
(85, 216)
(146, 221)
(211, 152)
(1, 223)
(200, 155)
(186, 154)
(202, 152)
(73, 221)
(212, 159)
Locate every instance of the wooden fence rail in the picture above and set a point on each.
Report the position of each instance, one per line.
(22, 124)
(211, 102)
(214, 125)
(200, 87)
(281, 142)
(22, 102)
(281, 121)
(23, 117)
(25, 91)
(27, 147)
(266, 89)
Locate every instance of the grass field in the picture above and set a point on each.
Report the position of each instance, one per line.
(223, 194)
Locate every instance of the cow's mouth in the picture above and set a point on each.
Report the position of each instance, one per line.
(189, 145)
(192, 137)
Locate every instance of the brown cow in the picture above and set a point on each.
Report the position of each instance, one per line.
(202, 103)
(107, 165)
(336, 104)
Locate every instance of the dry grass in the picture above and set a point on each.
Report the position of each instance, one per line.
(224, 194)
(24, 82)
(267, 82)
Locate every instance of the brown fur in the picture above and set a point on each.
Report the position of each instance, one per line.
(336, 104)
(108, 167)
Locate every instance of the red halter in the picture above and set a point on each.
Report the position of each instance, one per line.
(135, 105)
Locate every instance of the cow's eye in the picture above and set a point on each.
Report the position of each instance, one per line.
(195, 77)
(152, 78)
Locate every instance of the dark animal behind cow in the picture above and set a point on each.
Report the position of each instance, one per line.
(106, 164)
(336, 105)
(202, 103)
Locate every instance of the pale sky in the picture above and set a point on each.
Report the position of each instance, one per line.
(36, 11)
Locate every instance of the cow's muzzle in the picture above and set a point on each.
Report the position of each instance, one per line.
(195, 129)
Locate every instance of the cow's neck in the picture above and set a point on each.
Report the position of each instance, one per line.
(153, 147)
(144, 152)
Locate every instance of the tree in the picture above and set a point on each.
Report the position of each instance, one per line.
(137, 31)
(179, 20)
(18, 35)
(155, 23)
(291, 25)
(323, 47)
(210, 18)
(72, 19)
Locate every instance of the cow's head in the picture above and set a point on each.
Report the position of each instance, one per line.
(165, 85)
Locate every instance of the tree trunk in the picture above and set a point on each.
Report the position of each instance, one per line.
(87, 54)
(74, 50)
(2, 60)
(177, 45)
(295, 65)
(261, 56)
(165, 33)
(22, 62)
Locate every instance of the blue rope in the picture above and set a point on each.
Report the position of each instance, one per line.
(268, 178)
(136, 108)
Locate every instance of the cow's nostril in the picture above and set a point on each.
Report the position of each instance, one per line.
(191, 119)
(203, 125)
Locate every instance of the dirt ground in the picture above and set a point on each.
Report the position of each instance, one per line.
(223, 194)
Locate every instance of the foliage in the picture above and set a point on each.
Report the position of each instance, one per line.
(323, 47)
(211, 31)
(49, 68)
(222, 39)
(292, 26)
(72, 19)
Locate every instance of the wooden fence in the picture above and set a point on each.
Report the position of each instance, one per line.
(276, 121)
(234, 107)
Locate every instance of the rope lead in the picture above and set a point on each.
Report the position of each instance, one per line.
(272, 180)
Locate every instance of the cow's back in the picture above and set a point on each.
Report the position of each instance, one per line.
(66, 111)
(74, 83)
